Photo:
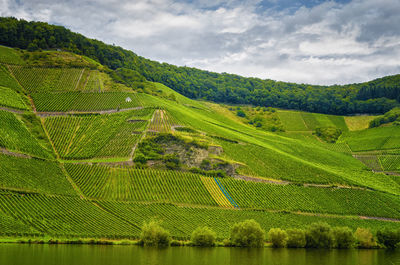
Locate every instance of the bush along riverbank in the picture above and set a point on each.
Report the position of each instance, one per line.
(247, 234)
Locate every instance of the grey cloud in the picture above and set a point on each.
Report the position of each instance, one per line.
(327, 43)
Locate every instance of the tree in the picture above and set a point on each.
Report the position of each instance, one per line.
(389, 238)
(154, 235)
(296, 238)
(319, 235)
(344, 237)
(247, 234)
(203, 236)
(277, 237)
(364, 238)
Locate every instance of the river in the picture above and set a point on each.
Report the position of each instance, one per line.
(24, 254)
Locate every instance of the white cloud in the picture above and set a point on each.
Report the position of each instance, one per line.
(325, 44)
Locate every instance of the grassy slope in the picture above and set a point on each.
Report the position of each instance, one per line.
(56, 210)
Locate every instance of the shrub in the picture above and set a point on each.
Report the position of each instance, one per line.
(154, 235)
(203, 236)
(388, 238)
(277, 237)
(241, 113)
(296, 238)
(364, 238)
(328, 134)
(247, 234)
(319, 235)
(344, 237)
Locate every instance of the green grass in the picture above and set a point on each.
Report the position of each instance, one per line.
(373, 139)
(15, 136)
(33, 175)
(9, 56)
(82, 101)
(82, 137)
(9, 98)
(121, 183)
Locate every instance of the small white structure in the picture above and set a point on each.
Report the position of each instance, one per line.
(128, 99)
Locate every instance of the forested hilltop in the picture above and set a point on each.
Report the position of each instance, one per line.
(377, 96)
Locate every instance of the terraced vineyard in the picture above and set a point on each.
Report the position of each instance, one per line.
(6, 79)
(47, 79)
(380, 138)
(371, 161)
(181, 221)
(161, 122)
(390, 162)
(312, 199)
(64, 216)
(124, 183)
(9, 98)
(85, 101)
(68, 163)
(15, 136)
(94, 135)
(33, 175)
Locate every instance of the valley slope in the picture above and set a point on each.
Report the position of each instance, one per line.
(83, 155)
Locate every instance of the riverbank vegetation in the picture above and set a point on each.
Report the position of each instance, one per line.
(246, 234)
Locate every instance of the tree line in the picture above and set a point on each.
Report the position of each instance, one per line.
(378, 96)
(250, 234)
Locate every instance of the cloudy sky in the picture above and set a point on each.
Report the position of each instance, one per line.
(314, 41)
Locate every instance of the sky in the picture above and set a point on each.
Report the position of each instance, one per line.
(314, 41)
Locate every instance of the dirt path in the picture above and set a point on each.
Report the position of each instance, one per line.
(72, 182)
(380, 218)
(79, 79)
(141, 138)
(50, 113)
(12, 110)
(10, 153)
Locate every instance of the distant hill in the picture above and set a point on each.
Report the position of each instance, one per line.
(377, 96)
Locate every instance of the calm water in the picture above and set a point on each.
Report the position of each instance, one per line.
(16, 254)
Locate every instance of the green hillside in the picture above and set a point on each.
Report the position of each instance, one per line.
(85, 155)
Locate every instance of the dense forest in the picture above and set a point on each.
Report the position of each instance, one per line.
(378, 96)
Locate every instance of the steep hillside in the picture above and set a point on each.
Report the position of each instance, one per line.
(83, 154)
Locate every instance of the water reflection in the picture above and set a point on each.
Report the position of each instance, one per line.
(16, 254)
